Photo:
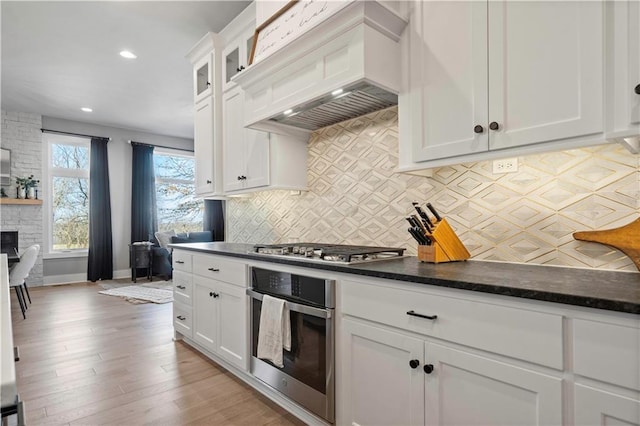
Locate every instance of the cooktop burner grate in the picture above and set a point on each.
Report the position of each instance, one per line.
(330, 252)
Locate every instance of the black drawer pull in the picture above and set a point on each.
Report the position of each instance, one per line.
(181, 287)
(429, 317)
(214, 295)
(214, 269)
(181, 318)
(179, 261)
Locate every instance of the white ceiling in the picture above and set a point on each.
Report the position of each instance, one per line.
(60, 56)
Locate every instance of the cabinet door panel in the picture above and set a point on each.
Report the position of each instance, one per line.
(380, 388)
(233, 151)
(598, 407)
(203, 141)
(545, 71)
(257, 158)
(448, 78)
(232, 321)
(466, 389)
(205, 314)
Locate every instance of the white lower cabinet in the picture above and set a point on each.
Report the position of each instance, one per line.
(220, 319)
(214, 314)
(469, 389)
(600, 407)
(379, 386)
(394, 379)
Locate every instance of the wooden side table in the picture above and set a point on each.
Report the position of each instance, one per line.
(140, 257)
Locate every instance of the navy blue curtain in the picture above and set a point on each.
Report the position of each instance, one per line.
(144, 218)
(100, 262)
(214, 218)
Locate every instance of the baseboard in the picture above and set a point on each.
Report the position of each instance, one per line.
(80, 278)
(64, 279)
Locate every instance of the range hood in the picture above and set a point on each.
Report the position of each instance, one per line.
(346, 66)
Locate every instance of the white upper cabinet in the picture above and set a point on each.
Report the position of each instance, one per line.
(204, 147)
(203, 77)
(489, 79)
(236, 56)
(205, 57)
(246, 153)
(253, 160)
(623, 68)
(545, 71)
(448, 78)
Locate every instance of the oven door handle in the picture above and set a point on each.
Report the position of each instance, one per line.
(296, 307)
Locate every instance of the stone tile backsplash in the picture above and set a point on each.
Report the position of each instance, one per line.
(356, 197)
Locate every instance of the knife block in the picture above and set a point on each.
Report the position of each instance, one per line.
(445, 246)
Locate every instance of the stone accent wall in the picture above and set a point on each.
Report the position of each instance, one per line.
(356, 197)
(21, 134)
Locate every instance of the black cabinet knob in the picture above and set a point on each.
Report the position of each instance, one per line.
(428, 368)
(478, 129)
(214, 295)
(239, 177)
(414, 363)
(181, 318)
(243, 177)
(214, 269)
(208, 83)
(238, 69)
(637, 89)
(494, 125)
(208, 181)
(241, 67)
(181, 287)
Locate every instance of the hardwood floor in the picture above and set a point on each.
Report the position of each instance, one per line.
(87, 359)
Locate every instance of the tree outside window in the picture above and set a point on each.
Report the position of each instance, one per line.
(178, 209)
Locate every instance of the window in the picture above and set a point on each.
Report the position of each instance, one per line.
(67, 192)
(175, 192)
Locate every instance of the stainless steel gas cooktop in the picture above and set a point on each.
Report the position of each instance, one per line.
(335, 253)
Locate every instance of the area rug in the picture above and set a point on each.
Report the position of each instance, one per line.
(123, 282)
(141, 294)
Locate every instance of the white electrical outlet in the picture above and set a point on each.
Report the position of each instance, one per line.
(506, 165)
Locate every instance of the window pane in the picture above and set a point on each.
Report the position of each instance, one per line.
(177, 208)
(70, 200)
(175, 191)
(174, 167)
(70, 156)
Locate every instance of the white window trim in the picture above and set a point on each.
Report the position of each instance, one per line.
(48, 139)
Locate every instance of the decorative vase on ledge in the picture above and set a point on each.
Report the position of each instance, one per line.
(21, 192)
(31, 193)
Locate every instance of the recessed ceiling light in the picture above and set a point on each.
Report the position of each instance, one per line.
(127, 54)
(287, 112)
(85, 109)
(336, 92)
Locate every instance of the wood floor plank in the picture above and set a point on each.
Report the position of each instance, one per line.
(89, 359)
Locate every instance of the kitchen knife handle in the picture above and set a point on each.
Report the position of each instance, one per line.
(415, 314)
(433, 210)
(423, 215)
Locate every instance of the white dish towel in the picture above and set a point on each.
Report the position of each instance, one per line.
(275, 330)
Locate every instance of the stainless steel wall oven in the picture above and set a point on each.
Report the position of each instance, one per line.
(308, 373)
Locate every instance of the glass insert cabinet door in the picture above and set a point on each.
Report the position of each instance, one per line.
(203, 77)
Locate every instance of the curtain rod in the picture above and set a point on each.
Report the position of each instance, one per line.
(74, 134)
(159, 146)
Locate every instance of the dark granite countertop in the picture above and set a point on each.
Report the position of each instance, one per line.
(610, 290)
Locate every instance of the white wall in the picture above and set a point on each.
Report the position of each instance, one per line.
(21, 134)
(55, 271)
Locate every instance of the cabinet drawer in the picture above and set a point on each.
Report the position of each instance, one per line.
(181, 260)
(607, 352)
(220, 268)
(182, 319)
(182, 288)
(515, 332)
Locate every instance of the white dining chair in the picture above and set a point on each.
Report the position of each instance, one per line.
(19, 273)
